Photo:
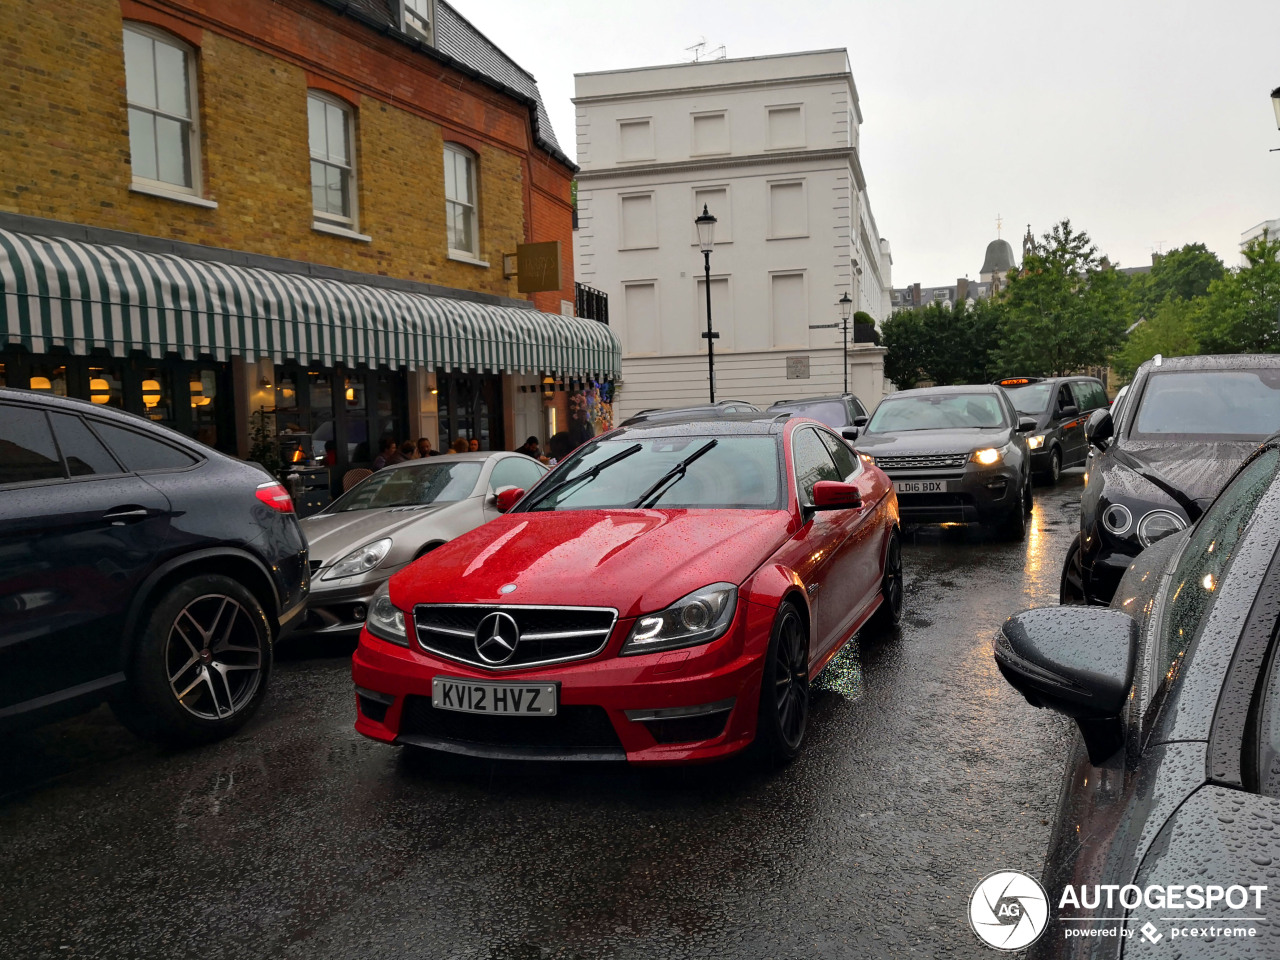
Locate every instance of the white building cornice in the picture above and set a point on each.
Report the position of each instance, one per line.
(848, 154)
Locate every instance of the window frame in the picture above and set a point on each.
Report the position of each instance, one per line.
(772, 228)
(323, 219)
(413, 18)
(697, 115)
(806, 500)
(194, 138)
(473, 208)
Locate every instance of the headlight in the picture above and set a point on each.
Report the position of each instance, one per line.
(1157, 525)
(385, 619)
(1117, 519)
(360, 561)
(700, 617)
(1036, 442)
(990, 456)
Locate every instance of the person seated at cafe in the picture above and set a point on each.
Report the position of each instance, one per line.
(424, 448)
(408, 451)
(560, 447)
(386, 450)
(530, 448)
(330, 453)
(474, 445)
(459, 445)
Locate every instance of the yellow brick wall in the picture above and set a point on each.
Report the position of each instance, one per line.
(64, 155)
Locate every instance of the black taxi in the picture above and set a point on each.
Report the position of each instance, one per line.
(1060, 406)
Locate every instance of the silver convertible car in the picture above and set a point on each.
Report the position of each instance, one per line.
(392, 518)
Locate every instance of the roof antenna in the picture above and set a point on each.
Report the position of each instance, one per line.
(700, 51)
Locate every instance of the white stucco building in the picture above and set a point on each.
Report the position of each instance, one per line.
(770, 146)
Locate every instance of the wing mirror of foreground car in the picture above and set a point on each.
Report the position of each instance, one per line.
(506, 498)
(1026, 424)
(1099, 428)
(1077, 661)
(833, 495)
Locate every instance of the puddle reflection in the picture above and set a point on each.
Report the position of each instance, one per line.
(843, 674)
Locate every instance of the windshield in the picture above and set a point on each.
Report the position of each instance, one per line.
(939, 411)
(411, 487)
(1032, 399)
(741, 473)
(1220, 404)
(831, 412)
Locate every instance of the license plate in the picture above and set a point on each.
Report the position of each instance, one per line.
(920, 486)
(481, 696)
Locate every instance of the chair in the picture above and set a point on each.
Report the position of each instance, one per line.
(352, 477)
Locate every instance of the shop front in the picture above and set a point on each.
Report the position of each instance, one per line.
(328, 365)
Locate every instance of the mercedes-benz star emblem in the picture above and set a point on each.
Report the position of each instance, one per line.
(496, 638)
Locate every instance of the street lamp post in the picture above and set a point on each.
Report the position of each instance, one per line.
(706, 225)
(846, 308)
(1275, 103)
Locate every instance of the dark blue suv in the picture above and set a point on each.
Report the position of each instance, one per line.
(138, 567)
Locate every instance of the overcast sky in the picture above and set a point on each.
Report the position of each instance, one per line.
(1147, 122)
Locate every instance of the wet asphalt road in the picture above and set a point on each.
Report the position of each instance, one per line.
(923, 772)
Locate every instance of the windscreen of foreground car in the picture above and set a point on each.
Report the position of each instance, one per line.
(1217, 404)
(411, 487)
(943, 411)
(741, 473)
(831, 412)
(1032, 399)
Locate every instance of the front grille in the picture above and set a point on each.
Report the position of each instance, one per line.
(928, 461)
(547, 634)
(573, 727)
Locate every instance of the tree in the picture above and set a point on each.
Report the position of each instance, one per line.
(1242, 308)
(940, 344)
(1063, 311)
(1171, 330)
(1184, 273)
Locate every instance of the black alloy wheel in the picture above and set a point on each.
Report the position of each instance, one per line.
(1071, 585)
(784, 688)
(1054, 473)
(889, 614)
(200, 668)
(1027, 496)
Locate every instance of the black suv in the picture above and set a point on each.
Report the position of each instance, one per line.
(1060, 406)
(838, 412)
(138, 567)
(1185, 425)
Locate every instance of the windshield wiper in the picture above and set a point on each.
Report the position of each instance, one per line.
(656, 491)
(586, 474)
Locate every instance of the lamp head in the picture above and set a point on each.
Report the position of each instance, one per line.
(846, 305)
(1275, 102)
(706, 224)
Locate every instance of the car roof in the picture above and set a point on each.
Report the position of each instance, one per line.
(479, 456)
(1232, 361)
(827, 399)
(954, 389)
(731, 424)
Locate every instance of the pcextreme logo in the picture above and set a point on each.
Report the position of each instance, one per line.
(1008, 910)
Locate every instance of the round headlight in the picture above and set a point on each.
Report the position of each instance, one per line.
(696, 615)
(1117, 519)
(1157, 525)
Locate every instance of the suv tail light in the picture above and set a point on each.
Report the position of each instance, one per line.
(275, 496)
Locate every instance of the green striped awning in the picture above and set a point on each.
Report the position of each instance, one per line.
(59, 292)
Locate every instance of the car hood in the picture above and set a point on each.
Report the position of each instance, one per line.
(636, 561)
(918, 442)
(1199, 470)
(331, 536)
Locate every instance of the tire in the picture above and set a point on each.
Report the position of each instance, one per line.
(889, 614)
(1027, 496)
(201, 665)
(1071, 590)
(1013, 526)
(1054, 473)
(784, 689)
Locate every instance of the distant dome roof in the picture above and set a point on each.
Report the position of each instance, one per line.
(999, 258)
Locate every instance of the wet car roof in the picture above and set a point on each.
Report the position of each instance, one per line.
(958, 388)
(1234, 361)
(729, 424)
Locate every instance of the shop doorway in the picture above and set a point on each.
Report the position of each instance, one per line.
(469, 405)
(338, 415)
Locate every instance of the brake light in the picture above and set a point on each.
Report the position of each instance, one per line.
(275, 496)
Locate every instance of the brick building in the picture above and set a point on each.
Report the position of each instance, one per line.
(211, 207)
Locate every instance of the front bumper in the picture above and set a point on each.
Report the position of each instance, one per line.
(340, 609)
(678, 706)
(974, 494)
(1102, 566)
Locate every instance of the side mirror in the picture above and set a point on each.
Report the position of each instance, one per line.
(1026, 424)
(506, 498)
(860, 421)
(1077, 661)
(1070, 410)
(849, 433)
(833, 495)
(1099, 428)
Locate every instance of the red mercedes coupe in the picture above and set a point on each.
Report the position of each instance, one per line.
(665, 595)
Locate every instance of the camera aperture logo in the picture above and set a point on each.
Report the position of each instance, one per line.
(1008, 910)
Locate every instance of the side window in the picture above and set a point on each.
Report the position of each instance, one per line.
(27, 453)
(84, 453)
(813, 463)
(1064, 398)
(845, 460)
(139, 452)
(1206, 557)
(1089, 395)
(515, 472)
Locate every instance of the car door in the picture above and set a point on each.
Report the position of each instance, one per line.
(832, 580)
(864, 543)
(78, 534)
(1066, 414)
(1089, 395)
